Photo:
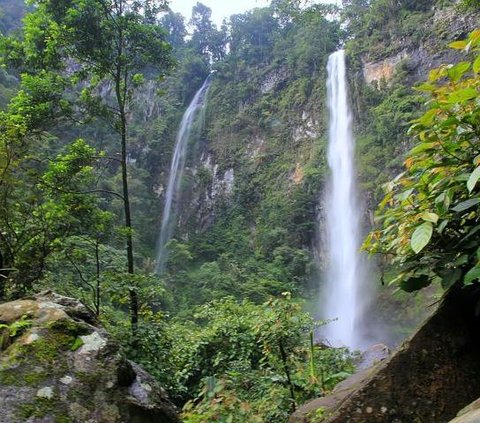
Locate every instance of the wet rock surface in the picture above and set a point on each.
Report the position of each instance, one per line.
(57, 365)
(428, 379)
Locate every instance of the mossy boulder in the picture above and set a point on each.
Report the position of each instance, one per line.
(57, 365)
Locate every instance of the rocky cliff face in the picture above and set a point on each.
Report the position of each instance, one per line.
(419, 57)
(57, 365)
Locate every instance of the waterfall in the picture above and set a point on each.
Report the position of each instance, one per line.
(346, 271)
(196, 106)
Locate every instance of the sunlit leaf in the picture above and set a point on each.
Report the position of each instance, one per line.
(473, 179)
(426, 87)
(404, 195)
(458, 45)
(462, 95)
(474, 37)
(422, 147)
(421, 237)
(476, 65)
(435, 74)
(429, 217)
(457, 71)
(428, 117)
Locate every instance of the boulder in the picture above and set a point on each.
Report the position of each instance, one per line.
(428, 379)
(469, 414)
(57, 365)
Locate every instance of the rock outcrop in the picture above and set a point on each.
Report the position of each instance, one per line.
(419, 57)
(469, 414)
(57, 365)
(429, 379)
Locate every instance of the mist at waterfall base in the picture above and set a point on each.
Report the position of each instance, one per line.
(191, 116)
(346, 292)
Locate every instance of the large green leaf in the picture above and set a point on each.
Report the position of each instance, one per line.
(450, 276)
(421, 237)
(462, 95)
(473, 179)
(472, 275)
(428, 117)
(422, 147)
(465, 205)
(457, 71)
(458, 45)
(429, 217)
(476, 65)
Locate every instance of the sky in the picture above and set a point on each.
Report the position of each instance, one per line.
(220, 8)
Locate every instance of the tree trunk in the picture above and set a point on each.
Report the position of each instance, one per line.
(121, 100)
(287, 373)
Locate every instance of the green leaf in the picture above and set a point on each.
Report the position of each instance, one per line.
(462, 95)
(426, 87)
(476, 65)
(472, 275)
(457, 71)
(473, 179)
(404, 195)
(442, 226)
(436, 74)
(461, 260)
(450, 277)
(429, 217)
(428, 116)
(421, 237)
(465, 205)
(458, 45)
(424, 146)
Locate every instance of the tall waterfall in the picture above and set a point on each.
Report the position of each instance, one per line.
(197, 105)
(342, 297)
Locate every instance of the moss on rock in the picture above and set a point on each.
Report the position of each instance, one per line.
(62, 369)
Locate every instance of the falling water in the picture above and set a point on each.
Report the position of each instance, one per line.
(177, 166)
(345, 269)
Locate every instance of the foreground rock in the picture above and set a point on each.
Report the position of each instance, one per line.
(469, 414)
(428, 380)
(57, 366)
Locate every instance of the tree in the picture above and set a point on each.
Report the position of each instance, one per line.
(252, 35)
(26, 236)
(99, 43)
(174, 24)
(430, 215)
(206, 39)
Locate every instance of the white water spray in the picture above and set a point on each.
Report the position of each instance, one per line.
(345, 268)
(177, 166)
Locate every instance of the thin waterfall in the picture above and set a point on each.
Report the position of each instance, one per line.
(197, 105)
(346, 272)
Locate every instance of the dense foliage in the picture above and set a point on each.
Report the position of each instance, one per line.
(429, 216)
